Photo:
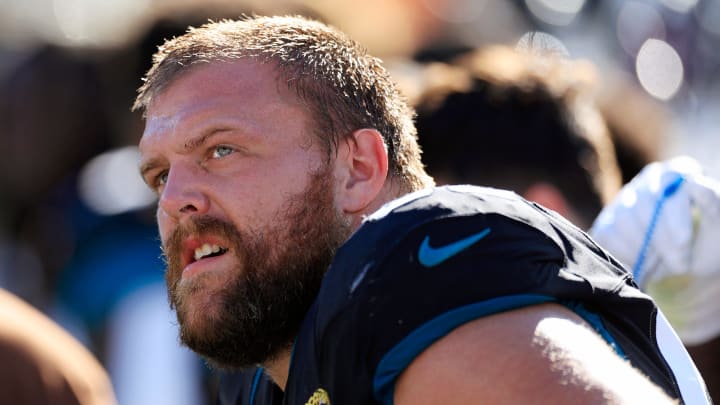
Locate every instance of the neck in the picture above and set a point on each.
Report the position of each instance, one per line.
(389, 192)
(279, 368)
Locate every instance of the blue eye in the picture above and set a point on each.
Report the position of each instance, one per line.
(159, 181)
(221, 151)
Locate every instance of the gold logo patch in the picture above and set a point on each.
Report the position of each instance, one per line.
(319, 397)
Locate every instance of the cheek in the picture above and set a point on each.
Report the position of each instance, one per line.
(251, 212)
(255, 202)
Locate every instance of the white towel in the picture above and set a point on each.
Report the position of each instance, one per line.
(665, 226)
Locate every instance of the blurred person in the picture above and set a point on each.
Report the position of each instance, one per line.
(638, 124)
(101, 299)
(114, 283)
(499, 117)
(40, 363)
(47, 136)
(303, 237)
(665, 226)
(39, 86)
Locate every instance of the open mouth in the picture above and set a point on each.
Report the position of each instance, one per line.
(208, 250)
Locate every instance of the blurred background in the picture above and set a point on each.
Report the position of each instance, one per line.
(77, 233)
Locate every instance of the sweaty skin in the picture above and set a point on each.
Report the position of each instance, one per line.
(543, 354)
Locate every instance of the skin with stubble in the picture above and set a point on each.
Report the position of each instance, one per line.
(251, 139)
(222, 158)
(259, 309)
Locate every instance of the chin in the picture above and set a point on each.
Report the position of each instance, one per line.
(200, 302)
(202, 321)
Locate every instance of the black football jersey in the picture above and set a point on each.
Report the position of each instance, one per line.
(436, 259)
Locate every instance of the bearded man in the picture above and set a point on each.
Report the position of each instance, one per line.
(305, 240)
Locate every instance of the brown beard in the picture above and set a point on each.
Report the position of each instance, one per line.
(256, 313)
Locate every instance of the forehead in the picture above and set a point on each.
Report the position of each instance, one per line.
(241, 90)
(244, 75)
(241, 86)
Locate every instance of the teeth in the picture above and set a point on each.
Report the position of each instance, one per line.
(205, 250)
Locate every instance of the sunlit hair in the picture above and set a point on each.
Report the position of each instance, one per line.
(344, 88)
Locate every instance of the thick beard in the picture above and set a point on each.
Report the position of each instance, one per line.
(256, 314)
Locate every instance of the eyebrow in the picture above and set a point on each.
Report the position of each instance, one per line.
(193, 143)
(188, 146)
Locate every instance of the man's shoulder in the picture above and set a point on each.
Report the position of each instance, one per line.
(437, 224)
(429, 262)
(425, 208)
(456, 244)
(461, 199)
(435, 260)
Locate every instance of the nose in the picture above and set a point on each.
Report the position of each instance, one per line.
(183, 193)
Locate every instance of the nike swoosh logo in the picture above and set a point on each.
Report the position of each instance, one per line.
(430, 256)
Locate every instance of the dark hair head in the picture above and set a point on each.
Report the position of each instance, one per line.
(507, 119)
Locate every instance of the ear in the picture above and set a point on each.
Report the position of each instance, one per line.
(361, 170)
